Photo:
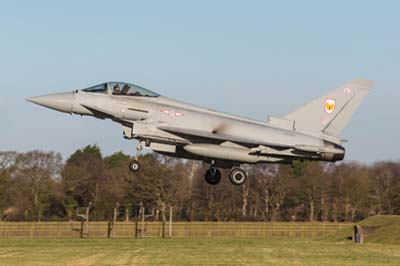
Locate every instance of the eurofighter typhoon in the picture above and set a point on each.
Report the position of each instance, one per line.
(174, 128)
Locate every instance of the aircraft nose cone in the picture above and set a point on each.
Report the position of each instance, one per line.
(62, 102)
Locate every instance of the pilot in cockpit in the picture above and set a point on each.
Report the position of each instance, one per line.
(125, 89)
(116, 89)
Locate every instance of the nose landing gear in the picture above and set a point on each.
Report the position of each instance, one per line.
(134, 165)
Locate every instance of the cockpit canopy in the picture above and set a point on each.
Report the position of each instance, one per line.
(121, 89)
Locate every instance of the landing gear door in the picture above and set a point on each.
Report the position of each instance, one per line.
(128, 131)
(133, 130)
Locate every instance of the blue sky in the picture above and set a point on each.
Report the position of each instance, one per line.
(253, 58)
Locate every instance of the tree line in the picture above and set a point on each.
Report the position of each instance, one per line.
(39, 186)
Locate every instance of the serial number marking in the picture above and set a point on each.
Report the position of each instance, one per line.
(172, 113)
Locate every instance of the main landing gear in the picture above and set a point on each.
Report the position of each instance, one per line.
(237, 176)
(213, 176)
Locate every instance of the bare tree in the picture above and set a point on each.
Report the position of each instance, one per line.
(385, 184)
(37, 172)
(349, 191)
(275, 182)
(7, 161)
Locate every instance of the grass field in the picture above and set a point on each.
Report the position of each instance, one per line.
(194, 251)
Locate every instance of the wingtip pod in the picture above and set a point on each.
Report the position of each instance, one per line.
(360, 83)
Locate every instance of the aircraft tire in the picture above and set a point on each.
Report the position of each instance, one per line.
(213, 176)
(238, 176)
(134, 166)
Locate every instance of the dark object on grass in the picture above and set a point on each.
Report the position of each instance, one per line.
(361, 232)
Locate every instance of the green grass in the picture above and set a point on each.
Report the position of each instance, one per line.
(388, 233)
(193, 251)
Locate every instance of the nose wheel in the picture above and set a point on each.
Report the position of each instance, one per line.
(134, 166)
(238, 176)
(213, 176)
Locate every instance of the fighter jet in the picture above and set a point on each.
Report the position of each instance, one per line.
(224, 141)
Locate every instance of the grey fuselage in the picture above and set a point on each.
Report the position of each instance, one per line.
(183, 130)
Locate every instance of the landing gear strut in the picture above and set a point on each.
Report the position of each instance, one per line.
(134, 165)
(213, 176)
(238, 176)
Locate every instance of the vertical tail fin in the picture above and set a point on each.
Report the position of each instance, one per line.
(331, 113)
